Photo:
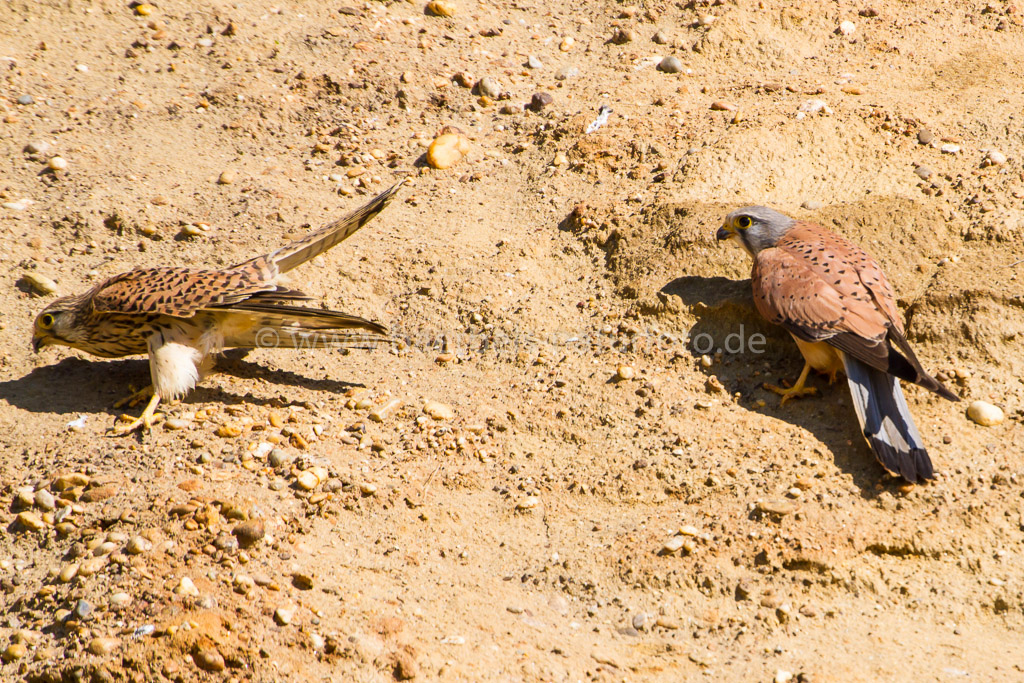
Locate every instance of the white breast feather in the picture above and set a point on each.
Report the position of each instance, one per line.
(174, 368)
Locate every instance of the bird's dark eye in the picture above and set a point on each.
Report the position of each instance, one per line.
(46, 321)
(743, 221)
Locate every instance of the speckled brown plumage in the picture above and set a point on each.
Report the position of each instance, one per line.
(181, 316)
(836, 301)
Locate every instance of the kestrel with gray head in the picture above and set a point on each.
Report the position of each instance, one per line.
(182, 317)
(836, 302)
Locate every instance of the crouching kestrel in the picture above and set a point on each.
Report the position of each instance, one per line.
(182, 317)
(837, 303)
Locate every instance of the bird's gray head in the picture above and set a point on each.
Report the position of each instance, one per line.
(755, 228)
(56, 324)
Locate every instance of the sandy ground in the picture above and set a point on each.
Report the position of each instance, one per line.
(520, 536)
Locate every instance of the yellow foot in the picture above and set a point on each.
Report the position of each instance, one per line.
(797, 390)
(794, 392)
(144, 422)
(136, 398)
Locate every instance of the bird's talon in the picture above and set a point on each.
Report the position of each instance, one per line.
(135, 398)
(792, 392)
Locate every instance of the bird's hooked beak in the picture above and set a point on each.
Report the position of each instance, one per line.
(37, 343)
(724, 232)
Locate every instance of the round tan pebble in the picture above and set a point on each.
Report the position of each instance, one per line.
(985, 414)
(625, 372)
(438, 411)
(446, 150)
(528, 503)
(186, 587)
(58, 163)
(441, 8)
(144, 9)
(14, 652)
(227, 177)
(561, 159)
(208, 659)
(103, 646)
(307, 481)
(566, 43)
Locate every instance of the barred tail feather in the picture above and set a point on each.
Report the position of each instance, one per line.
(886, 422)
(319, 241)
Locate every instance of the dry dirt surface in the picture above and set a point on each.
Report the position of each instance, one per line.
(494, 499)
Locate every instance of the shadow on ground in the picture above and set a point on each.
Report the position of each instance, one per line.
(87, 386)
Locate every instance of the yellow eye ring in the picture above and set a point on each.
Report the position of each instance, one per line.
(743, 221)
(46, 322)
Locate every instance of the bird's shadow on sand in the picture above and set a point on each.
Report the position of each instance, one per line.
(90, 386)
(727, 321)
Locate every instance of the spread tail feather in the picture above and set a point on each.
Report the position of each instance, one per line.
(294, 327)
(886, 422)
(319, 241)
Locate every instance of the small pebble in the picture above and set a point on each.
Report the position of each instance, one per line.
(26, 99)
(120, 599)
(83, 609)
(307, 480)
(279, 458)
(661, 38)
(39, 283)
(44, 499)
(227, 177)
(67, 573)
(207, 658)
(670, 65)
(995, 157)
(441, 8)
(144, 9)
(446, 150)
(186, 587)
(381, 413)
(707, 19)
(621, 36)
(950, 148)
(672, 545)
(438, 411)
(540, 100)
(138, 545)
(249, 533)
(302, 581)
(31, 521)
(38, 147)
(925, 136)
(284, 615)
(367, 489)
(566, 43)
(782, 676)
(723, 106)
(847, 28)
(561, 159)
(489, 86)
(625, 372)
(985, 414)
(14, 652)
(527, 503)
(103, 646)
(923, 172)
(566, 72)
(534, 63)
